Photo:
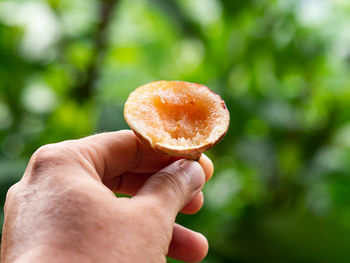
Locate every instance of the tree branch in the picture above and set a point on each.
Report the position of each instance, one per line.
(83, 90)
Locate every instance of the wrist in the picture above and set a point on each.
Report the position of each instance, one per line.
(45, 254)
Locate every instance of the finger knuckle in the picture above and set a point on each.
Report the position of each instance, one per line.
(48, 156)
(11, 191)
(172, 183)
(45, 155)
(9, 195)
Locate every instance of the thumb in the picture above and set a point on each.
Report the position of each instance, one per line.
(174, 186)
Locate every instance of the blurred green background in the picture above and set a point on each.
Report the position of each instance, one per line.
(281, 188)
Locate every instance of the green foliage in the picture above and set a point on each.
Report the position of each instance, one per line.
(281, 189)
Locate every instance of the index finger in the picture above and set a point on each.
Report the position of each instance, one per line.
(115, 153)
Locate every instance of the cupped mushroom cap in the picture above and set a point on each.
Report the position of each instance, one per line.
(176, 117)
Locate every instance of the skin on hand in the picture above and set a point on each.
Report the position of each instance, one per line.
(64, 207)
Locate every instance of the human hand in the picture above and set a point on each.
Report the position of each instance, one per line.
(63, 208)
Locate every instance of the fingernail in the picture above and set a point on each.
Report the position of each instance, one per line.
(195, 172)
(174, 159)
